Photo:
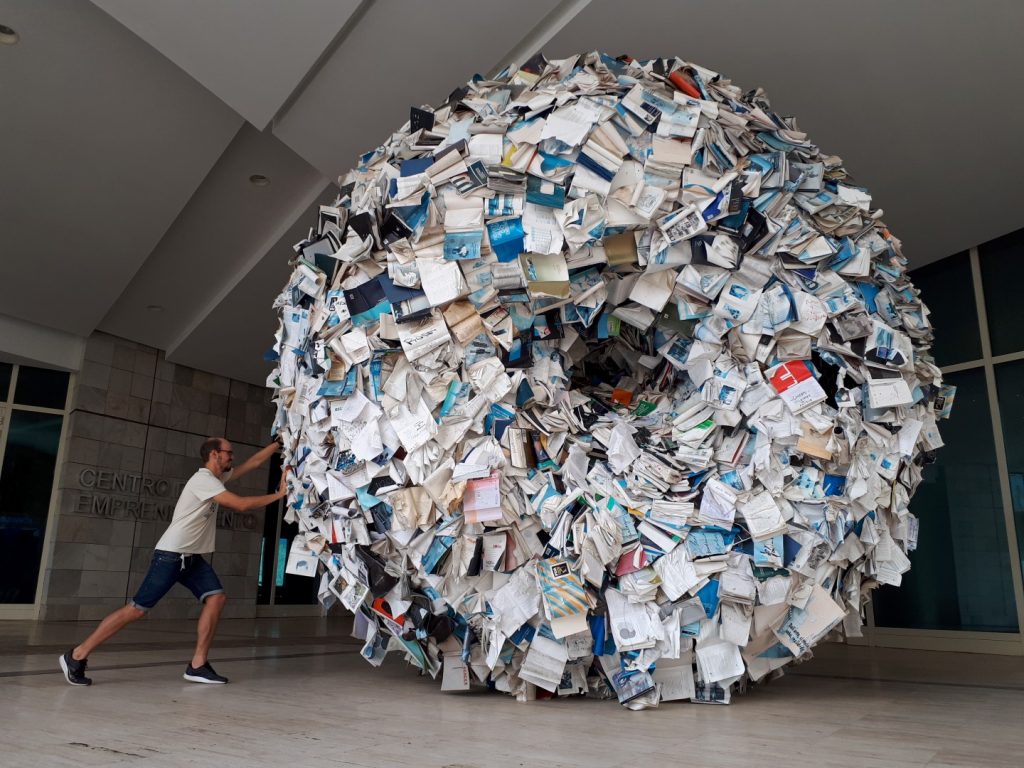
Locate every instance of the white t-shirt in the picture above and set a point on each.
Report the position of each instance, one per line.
(193, 527)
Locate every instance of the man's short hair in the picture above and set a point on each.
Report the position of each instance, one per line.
(212, 444)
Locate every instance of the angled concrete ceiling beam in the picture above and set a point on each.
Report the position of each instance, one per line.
(250, 54)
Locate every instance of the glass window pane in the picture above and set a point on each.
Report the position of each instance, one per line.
(26, 480)
(41, 387)
(5, 380)
(1010, 383)
(960, 577)
(946, 288)
(1002, 269)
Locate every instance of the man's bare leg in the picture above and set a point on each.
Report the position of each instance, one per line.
(107, 628)
(212, 607)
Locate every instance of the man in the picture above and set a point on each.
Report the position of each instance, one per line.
(179, 558)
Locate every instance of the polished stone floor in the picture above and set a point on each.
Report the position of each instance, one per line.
(301, 696)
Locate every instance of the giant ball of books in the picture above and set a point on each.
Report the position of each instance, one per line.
(601, 378)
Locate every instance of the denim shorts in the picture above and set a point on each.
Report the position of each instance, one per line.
(169, 568)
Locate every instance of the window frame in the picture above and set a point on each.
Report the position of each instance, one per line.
(7, 408)
(1007, 643)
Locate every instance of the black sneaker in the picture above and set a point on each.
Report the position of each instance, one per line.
(74, 671)
(203, 674)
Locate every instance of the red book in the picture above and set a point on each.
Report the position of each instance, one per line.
(684, 83)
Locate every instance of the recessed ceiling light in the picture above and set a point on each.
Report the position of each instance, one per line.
(155, 307)
(259, 180)
(7, 35)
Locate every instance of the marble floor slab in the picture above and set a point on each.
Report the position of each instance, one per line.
(301, 696)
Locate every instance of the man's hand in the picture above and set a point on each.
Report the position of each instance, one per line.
(282, 489)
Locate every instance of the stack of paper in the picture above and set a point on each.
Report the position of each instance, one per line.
(601, 378)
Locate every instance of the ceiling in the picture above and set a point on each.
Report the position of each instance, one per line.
(130, 128)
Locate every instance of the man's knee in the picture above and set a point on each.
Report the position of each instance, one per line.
(133, 613)
(216, 601)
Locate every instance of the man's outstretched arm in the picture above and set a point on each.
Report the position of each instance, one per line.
(249, 503)
(258, 459)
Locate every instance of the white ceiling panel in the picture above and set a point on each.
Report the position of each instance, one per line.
(250, 53)
(104, 141)
(915, 96)
(401, 54)
(220, 233)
